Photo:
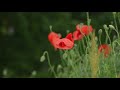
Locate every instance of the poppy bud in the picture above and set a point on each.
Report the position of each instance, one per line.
(96, 38)
(42, 59)
(50, 28)
(106, 48)
(34, 73)
(68, 31)
(100, 31)
(59, 68)
(114, 13)
(5, 72)
(112, 27)
(105, 27)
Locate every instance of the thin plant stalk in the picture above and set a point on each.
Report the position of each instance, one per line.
(48, 58)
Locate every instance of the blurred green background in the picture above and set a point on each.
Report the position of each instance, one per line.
(23, 38)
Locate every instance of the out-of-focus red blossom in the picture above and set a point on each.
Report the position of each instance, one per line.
(84, 29)
(69, 36)
(77, 35)
(53, 35)
(106, 49)
(81, 31)
(64, 43)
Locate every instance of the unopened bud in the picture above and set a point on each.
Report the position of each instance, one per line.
(100, 31)
(112, 27)
(59, 67)
(50, 28)
(105, 27)
(42, 59)
(33, 73)
(96, 39)
(81, 24)
(68, 31)
(114, 13)
(59, 35)
(5, 71)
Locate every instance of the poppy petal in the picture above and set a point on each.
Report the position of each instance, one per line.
(105, 49)
(53, 36)
(64, 44)
(69, 36)
(77, 35)
(84, 29)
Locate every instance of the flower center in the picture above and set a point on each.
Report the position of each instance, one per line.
(62, 44)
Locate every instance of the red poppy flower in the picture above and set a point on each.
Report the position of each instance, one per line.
(69, 36)
(105, 49)
(64, 43)
(84, 29)
(81, 31)
(53, 36)
(77, 35)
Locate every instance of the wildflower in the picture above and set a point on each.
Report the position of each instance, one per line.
(105, 27)
(77, 35)
(81, 31)
(105, 49)
(53, 37)
(69, 36)
(64, 43)
(84, 29)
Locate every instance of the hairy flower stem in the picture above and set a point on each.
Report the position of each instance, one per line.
(100, 39)
(114, 16)
(108, 37)
(77, 75)
(88, 23)
(48, 58)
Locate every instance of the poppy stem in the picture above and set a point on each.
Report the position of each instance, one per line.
(100, 39)
(79, 47)
(48, 58)
(83, 44)
(61, 54)
(114, 16)
(115, 69)
(88, 23)
(107, 36)
(74, 69)
(88, 19)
